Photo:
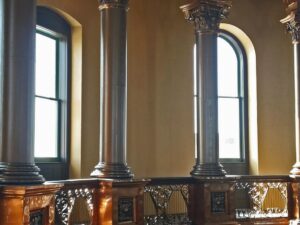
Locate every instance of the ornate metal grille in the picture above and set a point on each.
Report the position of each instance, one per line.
(257, 193)
(161, 198)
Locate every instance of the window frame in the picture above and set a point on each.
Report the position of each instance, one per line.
(50, 34)
(239, 165)
(52, 25)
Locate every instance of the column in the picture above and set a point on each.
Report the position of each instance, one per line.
(113, 90)
(206, 16)
(292, 22)
(17, 80)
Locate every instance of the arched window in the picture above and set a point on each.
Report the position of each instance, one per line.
(53, 37)
(232, 102)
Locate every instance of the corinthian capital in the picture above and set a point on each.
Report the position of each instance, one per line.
(292, 21)
(206, 14)
(104, 4)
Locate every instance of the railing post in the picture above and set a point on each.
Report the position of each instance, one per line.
(17, 87)
(206, 17)
(113, 90)
(121, 198)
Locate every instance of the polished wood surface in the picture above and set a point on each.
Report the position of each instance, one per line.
(18, 202)
(112, 191)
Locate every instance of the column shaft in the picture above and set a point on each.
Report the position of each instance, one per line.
(113, 91)
(206, 48)
(207, 161)
(206, 17)
(292, 22)
(18, 23)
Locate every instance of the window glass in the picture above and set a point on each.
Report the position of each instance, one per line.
(46, 101)
(227, 69)
(46, 129)
(229, 128)
(45, 66)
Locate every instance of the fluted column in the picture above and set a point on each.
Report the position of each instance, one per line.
(17, 79)
(206, 16)
(292, 22)
(113, 90)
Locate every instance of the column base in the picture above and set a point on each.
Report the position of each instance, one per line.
(296, 169)
(208, 169)
(20, 174)
(112, 170)
(2, 166)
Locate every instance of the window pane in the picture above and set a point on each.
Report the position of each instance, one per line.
(45, 139)
(227, 69)
(229, 128)
(45, 66)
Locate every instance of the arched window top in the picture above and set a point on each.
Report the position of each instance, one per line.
(248, 50)
(52, 21)
(228, 70)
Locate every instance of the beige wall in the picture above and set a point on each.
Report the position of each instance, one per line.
(160, 116)
(275, 91)
(160, 109)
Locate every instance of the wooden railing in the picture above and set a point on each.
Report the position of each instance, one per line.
(172, 201)
(229, 200)
(99, 201)
(262, 198)
(83, 192)
(166, 201)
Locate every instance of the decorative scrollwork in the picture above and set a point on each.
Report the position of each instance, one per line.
(174, 219)
(160, 196)
(207, 15)
(241, 185)
(293, 28)
(106, 4)
(257, 192)
(292, 21)
(39, 202)
(185, 193)
(65, 201)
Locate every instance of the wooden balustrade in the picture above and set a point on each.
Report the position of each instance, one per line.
(72, 191)
(166, 201)
(223, 200)
(200, 201)
(106, 201)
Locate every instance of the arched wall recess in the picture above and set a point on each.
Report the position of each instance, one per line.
(252, 94)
